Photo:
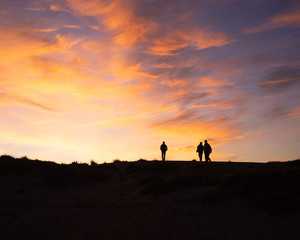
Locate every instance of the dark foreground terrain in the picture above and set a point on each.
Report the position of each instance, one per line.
(149, 200)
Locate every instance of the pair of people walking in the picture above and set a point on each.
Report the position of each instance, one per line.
(206, 149)
(200, 149)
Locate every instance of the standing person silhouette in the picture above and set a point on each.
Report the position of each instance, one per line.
(163, 149)
(207, 151)
(200, 149)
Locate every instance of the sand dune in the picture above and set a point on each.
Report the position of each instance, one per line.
(149, 200)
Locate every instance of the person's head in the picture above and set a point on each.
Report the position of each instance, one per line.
(200, 143)
(205, 141)
(163, 142)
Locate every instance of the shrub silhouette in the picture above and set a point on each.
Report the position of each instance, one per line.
(52, 174)
(10, 164)
(93, 163)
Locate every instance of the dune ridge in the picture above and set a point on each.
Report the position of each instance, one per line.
(149, 200)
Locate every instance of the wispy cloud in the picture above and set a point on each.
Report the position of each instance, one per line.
(291, 18)
(280, 79)
(276, 111)
(295, 113)
(45, 30)
(72, 26)
(6, 98)
(35, 9)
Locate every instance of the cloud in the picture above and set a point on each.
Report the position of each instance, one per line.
(280, 79)
(58, 6)
(6, 99)
(72, 26)
(174, 40)
(34, 68)
(55, 8)
(197, 124)
(36, 9)
(93, 7)
(230, 156)
(284, 20)
(189, 148)
(295, 113)
(236, 102)
(129, 26)
(190, 98)
(181, 118)
(115, 16)
(276, 111)
(45, 30)
(110, 64)
(13, 48)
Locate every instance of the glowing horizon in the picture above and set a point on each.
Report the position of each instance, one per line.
(104, 80)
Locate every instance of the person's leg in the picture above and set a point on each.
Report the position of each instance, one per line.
(163, 154)
(206, 156)
(201, 153)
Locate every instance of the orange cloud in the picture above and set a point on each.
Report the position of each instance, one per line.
(33, 68)
(203, 39)
(189, 148)
(45, 30)
(35, 9)
(115, 16)
(92, 7)
(6, 98)
(130, 28)
(55, 8)
(211, 82)
(179, 38)
(272, 82)
(72, 26)
(167, 46)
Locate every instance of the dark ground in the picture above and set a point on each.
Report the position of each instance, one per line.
(149, 200)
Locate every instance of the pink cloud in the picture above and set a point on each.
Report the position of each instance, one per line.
(72, 26)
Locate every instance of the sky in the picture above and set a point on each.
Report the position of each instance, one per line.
(84, 80)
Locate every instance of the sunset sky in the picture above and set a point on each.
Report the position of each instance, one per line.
(112, 79)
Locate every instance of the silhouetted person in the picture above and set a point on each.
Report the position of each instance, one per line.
(163, 149)
(200, 149)
(207, 151)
